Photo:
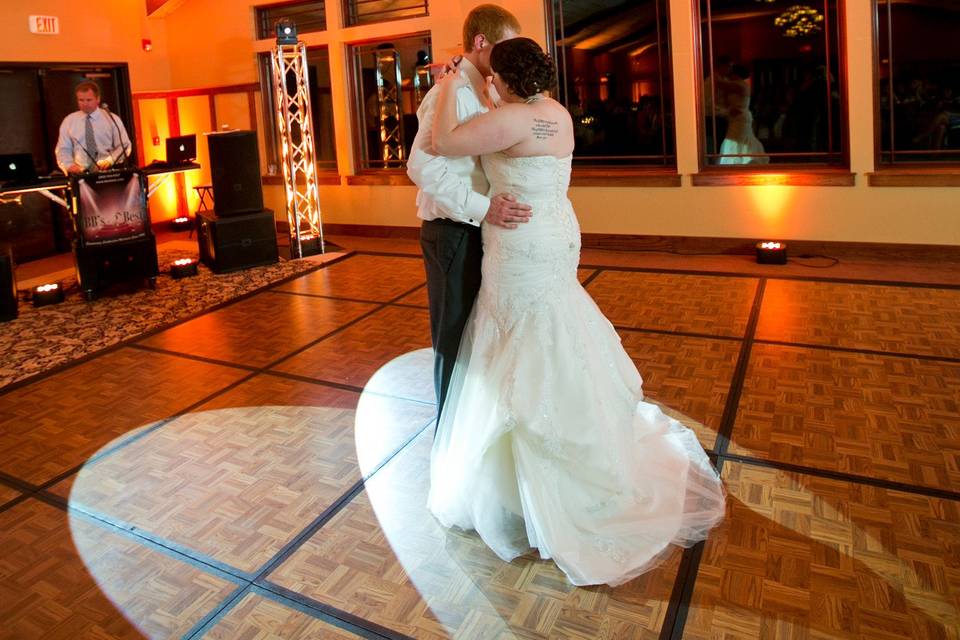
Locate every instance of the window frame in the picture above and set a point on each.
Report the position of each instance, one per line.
(787, 173)
(346, 8)
(908, 172)
(627, 174)
(258, 9)
(362, 174)
(327, 173)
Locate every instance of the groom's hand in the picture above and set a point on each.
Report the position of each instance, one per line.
(505, 211)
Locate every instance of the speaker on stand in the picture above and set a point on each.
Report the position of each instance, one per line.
(235, 173)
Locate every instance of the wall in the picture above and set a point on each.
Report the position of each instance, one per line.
(101, 31)
(210, 43)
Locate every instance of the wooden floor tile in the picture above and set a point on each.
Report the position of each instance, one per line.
(260, 329)
(7, 494)
(712, 305)
(362, 277)
(806, 557)
(691, 376)
(73, 579)
(418, 298)
(892, 418)
(386, 559)
(879, 318)
(352, 356)
(239, 478)
(57, 423)
(256, 617)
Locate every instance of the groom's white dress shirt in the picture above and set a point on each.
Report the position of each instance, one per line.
(453, 188)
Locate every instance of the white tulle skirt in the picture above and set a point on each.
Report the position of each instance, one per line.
(546, 443)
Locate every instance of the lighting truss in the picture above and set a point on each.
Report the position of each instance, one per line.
(298, 155)
(387, 62)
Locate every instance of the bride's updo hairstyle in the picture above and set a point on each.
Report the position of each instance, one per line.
(524, 66)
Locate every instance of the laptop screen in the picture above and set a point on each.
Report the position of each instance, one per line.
(17, 167)
(181, 149)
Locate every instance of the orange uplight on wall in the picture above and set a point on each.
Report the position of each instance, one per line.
(771, 252)
(146, 44)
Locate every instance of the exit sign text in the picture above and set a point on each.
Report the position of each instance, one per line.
(46, 25)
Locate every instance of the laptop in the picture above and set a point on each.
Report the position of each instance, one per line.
(181, 149)
(17, 169)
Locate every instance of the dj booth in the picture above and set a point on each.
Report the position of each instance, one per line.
(113, 239)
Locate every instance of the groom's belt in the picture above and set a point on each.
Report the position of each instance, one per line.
(447, 222)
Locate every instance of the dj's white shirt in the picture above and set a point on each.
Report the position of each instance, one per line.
(111, 137)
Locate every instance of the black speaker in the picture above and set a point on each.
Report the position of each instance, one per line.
(100, 266)
(235, 173)
(237, 242)
(8, 285)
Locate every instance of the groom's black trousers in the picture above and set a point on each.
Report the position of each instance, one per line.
(452, 253)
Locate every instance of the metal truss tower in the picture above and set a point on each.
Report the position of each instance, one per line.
(298, 152)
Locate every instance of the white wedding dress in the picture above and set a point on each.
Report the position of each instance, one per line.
(545, 441)
(741, 145)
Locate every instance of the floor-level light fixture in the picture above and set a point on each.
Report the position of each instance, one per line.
(183, 268)
(771, 252)
(45, 294)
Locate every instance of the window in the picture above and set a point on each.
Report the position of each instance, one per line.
(772, 92)
(321, 108)
(388, 86)
(369, 11)
(614, 77)
(308, 16)
(919, 81)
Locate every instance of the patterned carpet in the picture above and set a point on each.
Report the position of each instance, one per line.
(46, 337)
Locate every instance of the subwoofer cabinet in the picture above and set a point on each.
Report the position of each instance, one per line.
(238, 241)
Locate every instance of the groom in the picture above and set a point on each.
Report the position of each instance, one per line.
(452, 200)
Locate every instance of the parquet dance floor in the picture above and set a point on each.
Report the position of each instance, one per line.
(261, 471)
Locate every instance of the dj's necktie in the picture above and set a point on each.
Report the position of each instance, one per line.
(90, 143)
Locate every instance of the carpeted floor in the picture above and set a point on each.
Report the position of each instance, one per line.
(46, 337)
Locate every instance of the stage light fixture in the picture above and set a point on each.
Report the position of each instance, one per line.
(45, 294)
(770, 252)
(182, 223)
(183, 268)
(286, 31)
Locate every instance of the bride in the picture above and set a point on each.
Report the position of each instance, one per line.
(544, 441)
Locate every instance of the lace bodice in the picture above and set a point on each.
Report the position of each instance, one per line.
(529, 178)
(524, 266)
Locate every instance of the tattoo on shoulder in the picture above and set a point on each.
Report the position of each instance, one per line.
(543, 129)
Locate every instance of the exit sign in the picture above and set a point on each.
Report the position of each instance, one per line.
(46, 25)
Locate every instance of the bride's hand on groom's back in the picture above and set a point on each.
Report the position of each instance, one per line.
(505, 211)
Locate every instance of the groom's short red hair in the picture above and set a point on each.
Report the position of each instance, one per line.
(490, 20)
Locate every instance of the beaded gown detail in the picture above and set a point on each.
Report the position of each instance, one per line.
(545, 441)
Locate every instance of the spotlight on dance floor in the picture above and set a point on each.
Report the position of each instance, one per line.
(771, 253)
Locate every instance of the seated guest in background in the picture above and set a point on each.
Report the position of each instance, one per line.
(91, 138)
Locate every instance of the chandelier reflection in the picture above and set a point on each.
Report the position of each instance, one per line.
(800, 20)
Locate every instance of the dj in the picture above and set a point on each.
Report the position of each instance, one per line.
(92, 138)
